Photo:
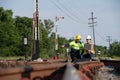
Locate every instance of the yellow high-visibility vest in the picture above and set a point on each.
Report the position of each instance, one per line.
(76, 46)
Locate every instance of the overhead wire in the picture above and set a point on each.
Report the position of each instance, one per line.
(67, 14)
(70, 10)
(100, 36)
(76, 8)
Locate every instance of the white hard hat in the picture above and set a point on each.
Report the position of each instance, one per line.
(88, 37)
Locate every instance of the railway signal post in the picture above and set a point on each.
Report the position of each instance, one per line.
(36, 49)
(56, 33)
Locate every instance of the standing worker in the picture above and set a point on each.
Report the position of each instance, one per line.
(76, 47)
(88, 50)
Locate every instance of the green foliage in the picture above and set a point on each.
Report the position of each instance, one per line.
(47, 39)
(24, 28)
(103, 50)
(8, 33)
(48, 25)
(5, 15)
(115, 49)
(12, 31)
(61, 41)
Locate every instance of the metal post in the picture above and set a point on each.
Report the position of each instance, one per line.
(37, 25)
(56, 36)
(37, 51)
(93, 25)
(25, 41)
(67, 50)
(109, 40)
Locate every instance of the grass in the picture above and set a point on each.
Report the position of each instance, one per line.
(116, 57)
(12, 57)
(112, 57)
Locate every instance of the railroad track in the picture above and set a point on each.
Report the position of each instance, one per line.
(50, 69)
(113, 63)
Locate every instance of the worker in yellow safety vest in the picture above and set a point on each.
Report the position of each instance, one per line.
(76, 47)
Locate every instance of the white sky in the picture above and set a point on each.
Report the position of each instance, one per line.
(76, 13)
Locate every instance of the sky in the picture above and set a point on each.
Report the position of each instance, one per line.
(76, 14)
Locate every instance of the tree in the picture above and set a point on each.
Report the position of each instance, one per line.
(12, 31)
(103, 50)
(45, 40)
(115, 49)
(8, 33)
(24, 29)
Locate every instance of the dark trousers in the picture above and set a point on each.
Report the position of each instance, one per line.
(88, 56)
(75, 54)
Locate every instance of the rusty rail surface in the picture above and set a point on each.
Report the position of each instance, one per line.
(23, 63)
(30, 72)
(46, 70)
(89, 68)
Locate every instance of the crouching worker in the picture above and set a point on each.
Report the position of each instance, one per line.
(88, 50)
(76, 47)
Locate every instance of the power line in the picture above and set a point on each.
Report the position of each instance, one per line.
(70, 6)
(68, 15)
(68, 11)
(100, 36)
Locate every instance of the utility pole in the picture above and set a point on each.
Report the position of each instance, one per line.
(109, 40)
(92, 24)
(36, 33)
